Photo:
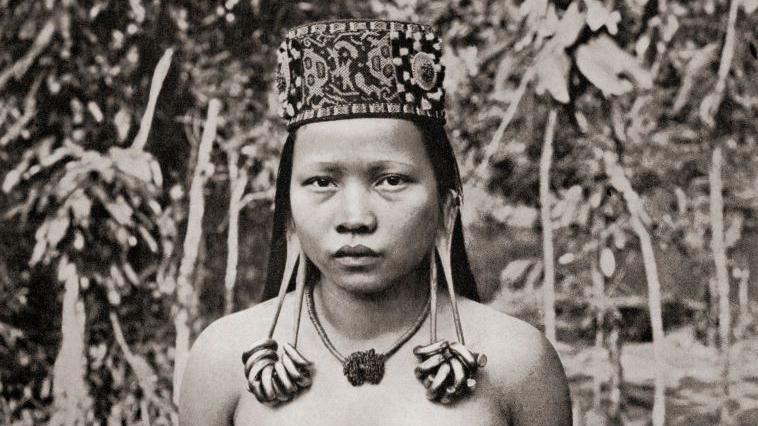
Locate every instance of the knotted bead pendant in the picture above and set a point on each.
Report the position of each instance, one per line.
(364, 366)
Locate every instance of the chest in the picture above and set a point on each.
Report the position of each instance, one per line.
(398, 400)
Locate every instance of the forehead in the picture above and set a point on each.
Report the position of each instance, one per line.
(360, 140)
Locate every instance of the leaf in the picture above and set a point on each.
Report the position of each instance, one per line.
(619, 238)
(455, 71)
(552, 74)
(534, 275)
(566, 258)
(603, 63)
(151, 243)
(565, 210)
(95, 110)
(123, 121)
(132, 162)
(515, 271)
(670, 28)
(39, 250)
(118, 277)
(55, 156)
(607, 262)
(120, 210)
(734, 232)
(697, 63)
(11, 179)
(570, 26)
(145, 374)
(502, 74)
(80, 205)
(596, 198)
(548, 24)
(66, 270)
(56, 229)
(155, 169)
(598, 16)
(469, 57)
(642, 45)
(533, 9)
(130, 274)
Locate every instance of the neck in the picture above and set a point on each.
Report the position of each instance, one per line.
(376, 317)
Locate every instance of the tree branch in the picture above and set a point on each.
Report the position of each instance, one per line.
(159, 75)
(237, 183)
(146, 377)
(30, 109)
(711, 103)
(184, 288)
(256, 196)
(716, 210)
(620, 182)
(19, 68)
(491, 149)
(548, 255)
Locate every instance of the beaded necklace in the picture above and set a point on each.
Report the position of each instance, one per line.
(362, 366)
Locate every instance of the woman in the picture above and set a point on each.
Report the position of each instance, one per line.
(367, 231)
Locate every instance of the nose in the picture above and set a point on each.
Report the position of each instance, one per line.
(356, 215)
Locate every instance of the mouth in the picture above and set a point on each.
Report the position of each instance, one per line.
(356, 255)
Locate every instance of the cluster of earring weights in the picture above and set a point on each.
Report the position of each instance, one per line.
(446, 369)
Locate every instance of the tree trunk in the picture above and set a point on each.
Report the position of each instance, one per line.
(237, 183)
(184, 288)
(547, 228)
(713, 313)
(598, 290)
(70, 390)
(656, 319)
(638, 217)
(744, 300)
(617, 373)
(722, 274)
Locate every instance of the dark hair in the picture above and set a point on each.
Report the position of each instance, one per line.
(446, 174)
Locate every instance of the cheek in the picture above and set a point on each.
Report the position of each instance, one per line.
(416, 224)
(309, 222)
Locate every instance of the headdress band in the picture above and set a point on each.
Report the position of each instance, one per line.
(359, 68)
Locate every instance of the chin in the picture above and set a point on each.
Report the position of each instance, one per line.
(364, 284)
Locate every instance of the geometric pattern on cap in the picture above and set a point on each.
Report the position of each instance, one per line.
(357, 68)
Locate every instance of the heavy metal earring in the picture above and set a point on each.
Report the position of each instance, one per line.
(446, 369)
(271, 377)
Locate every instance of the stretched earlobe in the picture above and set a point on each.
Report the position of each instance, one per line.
(447, 370)
(293, 251)
(444, 244)
(433, 297)
(271, 377)
(302, 273)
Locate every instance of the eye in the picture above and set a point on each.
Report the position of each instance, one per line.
(393, 181)
(320, 182)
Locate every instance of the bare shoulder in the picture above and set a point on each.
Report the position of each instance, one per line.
(522, 364)
(236, 331)
(213, 376)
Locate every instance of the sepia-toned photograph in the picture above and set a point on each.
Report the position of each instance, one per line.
(387, 212)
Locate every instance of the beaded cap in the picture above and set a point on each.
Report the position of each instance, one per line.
(360, 68)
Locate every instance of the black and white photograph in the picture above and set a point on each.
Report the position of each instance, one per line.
(387, 212)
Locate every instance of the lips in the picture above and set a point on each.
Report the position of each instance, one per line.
(355, 251)
(356, 256)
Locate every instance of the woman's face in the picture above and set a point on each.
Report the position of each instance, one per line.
(364, 200)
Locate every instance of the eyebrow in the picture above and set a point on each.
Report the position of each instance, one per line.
(373, 166)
